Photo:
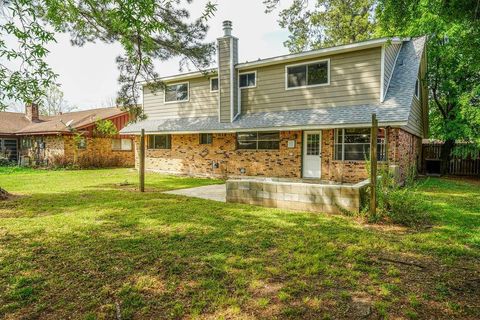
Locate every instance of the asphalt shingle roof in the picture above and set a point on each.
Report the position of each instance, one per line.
(17, 123)
(394, 109)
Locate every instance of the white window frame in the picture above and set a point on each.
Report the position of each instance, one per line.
(160, 134)
(342, 144)
(304, 64)
(121, 144)
(212, 78)
(248, 72)
(417, 88)
(176, 101)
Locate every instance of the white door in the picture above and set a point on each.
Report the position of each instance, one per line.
(312, 154)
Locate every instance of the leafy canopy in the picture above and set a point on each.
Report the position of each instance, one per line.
(325, 23)
(148, 31)
(453, 73)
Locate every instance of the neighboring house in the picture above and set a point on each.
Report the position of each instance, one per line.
(30, 138)
(303, 115)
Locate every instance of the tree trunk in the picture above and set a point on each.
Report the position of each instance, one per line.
(445, 155)
(3, 194)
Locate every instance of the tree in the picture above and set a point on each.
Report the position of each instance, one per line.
(53, 102)
(453, 29)
(148, 31)
(326, 23)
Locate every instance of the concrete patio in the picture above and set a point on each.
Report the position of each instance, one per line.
(216, 192)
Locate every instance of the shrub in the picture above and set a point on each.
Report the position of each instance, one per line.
(402, 206)
(59, 161)
(5, 162)
(86, 161)
(398, 204)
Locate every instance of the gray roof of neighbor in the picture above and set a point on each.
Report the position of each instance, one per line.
(394, 109)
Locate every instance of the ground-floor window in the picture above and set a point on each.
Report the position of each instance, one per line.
(206, 138)
(354, 144)
(27, 143)
(160, 141)
(82, 143)
(258, 140)
(121, 144)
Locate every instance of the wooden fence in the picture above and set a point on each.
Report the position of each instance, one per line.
(457, 166)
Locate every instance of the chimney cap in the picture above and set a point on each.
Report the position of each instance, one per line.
(227, 28)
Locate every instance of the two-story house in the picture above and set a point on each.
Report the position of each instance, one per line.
(303, 115)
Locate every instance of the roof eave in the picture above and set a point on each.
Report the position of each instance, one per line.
(282, 128)
(321, 52)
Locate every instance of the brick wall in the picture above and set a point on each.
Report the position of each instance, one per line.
(187, 156)
(98, 147)
(403, 152)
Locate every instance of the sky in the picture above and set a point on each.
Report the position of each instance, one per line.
(88, 74)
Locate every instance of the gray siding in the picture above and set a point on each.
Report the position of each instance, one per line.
(202, 102)
(354, 79)
(391, 52)
(418, 118)
(415, 119)
(226, 76)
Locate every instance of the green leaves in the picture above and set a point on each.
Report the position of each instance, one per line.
(148, 30)
(326, 23)
(24, 74)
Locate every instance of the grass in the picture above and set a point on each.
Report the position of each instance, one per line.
(86, 245)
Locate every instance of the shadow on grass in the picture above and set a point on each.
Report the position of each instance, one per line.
(153, 255)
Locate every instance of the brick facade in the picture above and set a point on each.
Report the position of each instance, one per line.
(63, 146)
(221, 159)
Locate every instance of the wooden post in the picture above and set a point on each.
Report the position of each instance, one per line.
(141, 155)
(373, 165)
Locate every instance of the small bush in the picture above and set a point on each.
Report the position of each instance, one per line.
(5, 162)
(59, 161)
(401, 206)
(398, 204)
(86, 161)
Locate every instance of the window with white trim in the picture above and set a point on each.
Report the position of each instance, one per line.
(354, 144)
(160, 141)
(309, 74)
(258, 140)
(176, 92)
(247, 80)
(122, 144)
(213, 84)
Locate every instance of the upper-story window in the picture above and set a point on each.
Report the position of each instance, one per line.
(417, 89)
(176, 92)
(247, 80)
(308, 74)
(213, 84)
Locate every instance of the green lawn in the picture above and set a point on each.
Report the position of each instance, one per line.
(86, 245)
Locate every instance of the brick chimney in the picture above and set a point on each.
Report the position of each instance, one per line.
(227, 49)
(31, 112)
